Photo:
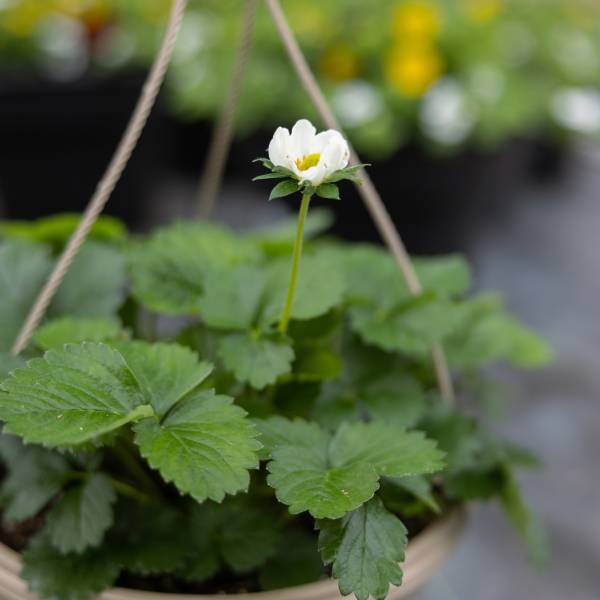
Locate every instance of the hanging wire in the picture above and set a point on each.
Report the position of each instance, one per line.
(367, 190)
(109, 179)
(220, 144)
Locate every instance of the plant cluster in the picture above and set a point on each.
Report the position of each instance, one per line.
(161, 431)
(433, 71)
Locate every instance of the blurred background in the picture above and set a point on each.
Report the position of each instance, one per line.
(482, 121)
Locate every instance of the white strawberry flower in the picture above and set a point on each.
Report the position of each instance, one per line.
(308, 162)
(312, 157)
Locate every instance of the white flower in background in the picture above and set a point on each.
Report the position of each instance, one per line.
(114, 47)
(574, 51)
(444, 114)
(577, 109)
(312, 157)
(356, 103)
(193, 37)
(64, 47)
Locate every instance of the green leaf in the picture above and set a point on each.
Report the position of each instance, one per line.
(265, 162)
(419, 487)
(329, 191)
(330, 476)
(297, 562)
(23, 270)
(278, 431)
(474, 484)
(524, 520)
(9, 363)
(374, 385)
(165, 372)
(148, 539)
(365, 548)
(302, 478)
(305, 482)
(489, 335)
(411, 327)
(394, 398)
(232, 297)
(457, 435)
(446, 275)
(51, 575)
(390, 450)
(236, 533)
(94, 284)
(248, 537)
(370, 275)
(204, 446)
(168, 269)
(71, 396)
(274, 175)
(348, 173)
(316, 364)
(57, 229)
(316, 272)
(204, 560)
(35, 476)
(284, 188)
(65, 330)
(258, 361)
(278, 239)
(82, 516)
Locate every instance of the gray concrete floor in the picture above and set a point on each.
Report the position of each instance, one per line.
(545, 258)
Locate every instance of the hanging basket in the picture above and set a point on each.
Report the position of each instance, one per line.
(424, 556)
(428, 550)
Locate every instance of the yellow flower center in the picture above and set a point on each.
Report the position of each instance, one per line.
(308, 161)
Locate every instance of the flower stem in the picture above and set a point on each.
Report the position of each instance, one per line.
(287, 308)
(119, 486)
(131, 462)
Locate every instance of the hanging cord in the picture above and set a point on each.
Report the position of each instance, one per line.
(367, 190)
(220, 143)
(109, 179)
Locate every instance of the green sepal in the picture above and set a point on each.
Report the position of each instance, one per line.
(329, 191)
(284, 188)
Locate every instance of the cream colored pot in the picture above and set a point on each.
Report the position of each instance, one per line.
(424, 556)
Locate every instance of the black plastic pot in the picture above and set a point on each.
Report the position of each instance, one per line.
(57, 138)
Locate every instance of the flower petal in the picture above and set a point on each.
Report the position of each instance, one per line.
(335, 155)
(322, 139)
(302, 138)
(280, 148)
(315, 175)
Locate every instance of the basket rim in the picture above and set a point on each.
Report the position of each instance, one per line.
(424, 555)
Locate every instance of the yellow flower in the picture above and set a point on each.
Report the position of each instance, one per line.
(22, 18)
(416, 20)
(483, 11)
(339, 63)
(412, 69)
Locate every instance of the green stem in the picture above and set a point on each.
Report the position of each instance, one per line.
(120, 487)
(129, 491)
(131, 462)
(287, 309)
